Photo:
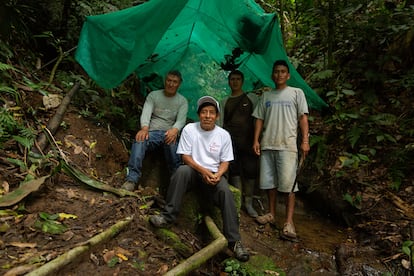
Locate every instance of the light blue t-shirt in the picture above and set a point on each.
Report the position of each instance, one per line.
(280, 111)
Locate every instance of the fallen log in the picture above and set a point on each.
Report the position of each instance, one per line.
(204, 254)
(53, 124)
(71, 255)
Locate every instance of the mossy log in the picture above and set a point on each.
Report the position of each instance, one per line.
(68, 257)
(196, 260)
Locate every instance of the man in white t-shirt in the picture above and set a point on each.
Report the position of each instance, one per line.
(206, 151)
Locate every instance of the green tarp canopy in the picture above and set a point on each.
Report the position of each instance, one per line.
(204, 39)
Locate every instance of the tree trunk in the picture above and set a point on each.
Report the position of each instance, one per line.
(54, 123)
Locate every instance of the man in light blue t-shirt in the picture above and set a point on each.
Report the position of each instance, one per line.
(163, 116)
(278, 115)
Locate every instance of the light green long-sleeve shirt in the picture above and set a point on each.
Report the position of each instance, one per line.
(162, 113)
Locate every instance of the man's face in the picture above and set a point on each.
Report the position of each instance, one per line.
(172, 82)
(208, 116)
(280, 75)
(235, 82)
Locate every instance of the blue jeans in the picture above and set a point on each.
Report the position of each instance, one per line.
(155, 140)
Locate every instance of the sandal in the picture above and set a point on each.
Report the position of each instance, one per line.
(268, 218)
(289, 230)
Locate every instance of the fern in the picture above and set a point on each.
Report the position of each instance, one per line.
(354, 135)
(4, 67)
(7, 121)
(384, 119)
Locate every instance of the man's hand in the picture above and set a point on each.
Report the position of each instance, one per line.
(142, 135)
(305, 149)
(171, 136)
(211, 178)
(256, 148)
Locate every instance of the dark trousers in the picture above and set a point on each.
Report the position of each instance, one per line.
(186, 178)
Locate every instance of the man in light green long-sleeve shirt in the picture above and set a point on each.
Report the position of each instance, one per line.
(163, 116)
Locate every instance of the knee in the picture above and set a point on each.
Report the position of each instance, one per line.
(184, 169)
(181, 171)
(138, 145)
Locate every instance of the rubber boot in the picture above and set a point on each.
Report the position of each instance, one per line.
(248, 197)
(236, 182)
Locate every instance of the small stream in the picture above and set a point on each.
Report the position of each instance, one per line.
(315, 253)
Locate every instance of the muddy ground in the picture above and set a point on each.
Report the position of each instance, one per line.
(137, 249)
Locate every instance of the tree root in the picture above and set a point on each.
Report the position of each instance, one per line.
(204, 254)
(72, 254)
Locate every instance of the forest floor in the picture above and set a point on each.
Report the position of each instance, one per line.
(137, 249)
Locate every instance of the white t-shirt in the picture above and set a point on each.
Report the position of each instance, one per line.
(281, 110)
(207, 148)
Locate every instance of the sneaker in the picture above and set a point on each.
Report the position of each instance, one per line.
(289, 231)
(128, 185)
(240, 252)
(158, 221)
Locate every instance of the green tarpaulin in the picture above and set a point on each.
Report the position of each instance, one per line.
(198, 37)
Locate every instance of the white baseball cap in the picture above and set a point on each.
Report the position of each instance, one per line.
(208, 99)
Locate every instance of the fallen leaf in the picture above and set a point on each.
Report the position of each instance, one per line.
(122, 256)
(163, 269)
(122, 251)
(63, 216)
(24, 189)
(77, 150)
(5, 186)
(23, 244)
(94, 259)
(406, 264)
(68, 235)
(87, 143)
(108, 256)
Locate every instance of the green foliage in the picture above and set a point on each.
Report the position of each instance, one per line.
(355, 201)
(349, 160)
(7, 125)
(233, 267)
(406, 247)
(257, 265)
(49, 223)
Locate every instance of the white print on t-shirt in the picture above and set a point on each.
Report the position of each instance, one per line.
(214, 148)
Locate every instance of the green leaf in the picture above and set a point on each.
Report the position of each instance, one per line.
(347, 197)
(24, 141)
(44, 215)
(408, 243)
(406, 250)
(363, 157)
(112, 262)
(348, 92)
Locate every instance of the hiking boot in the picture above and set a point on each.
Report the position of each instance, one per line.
(240, 253)
(158, 221)
(128, 185)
